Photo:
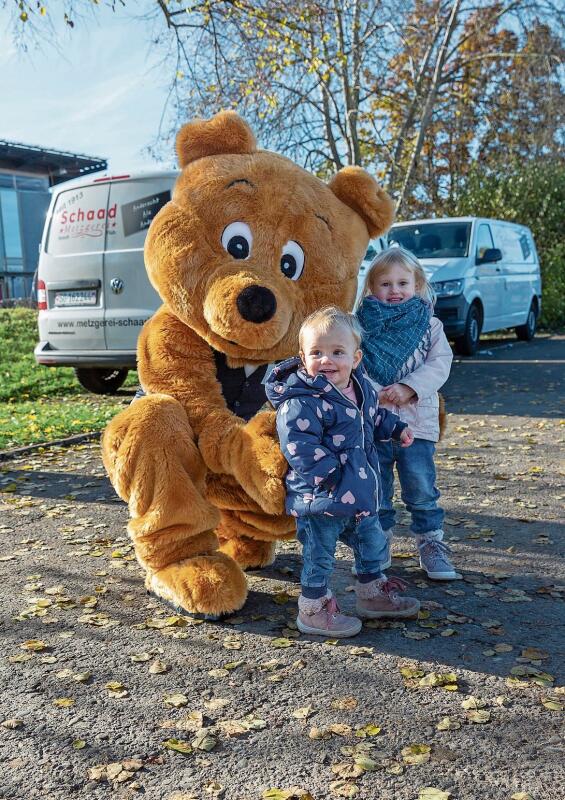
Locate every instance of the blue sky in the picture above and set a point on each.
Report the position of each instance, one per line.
(100, 93)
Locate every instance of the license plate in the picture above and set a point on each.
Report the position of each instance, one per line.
(82, 298)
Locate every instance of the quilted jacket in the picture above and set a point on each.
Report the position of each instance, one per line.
(328, 441)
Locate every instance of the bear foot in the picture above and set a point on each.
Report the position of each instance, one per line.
(248, 553)
(212, 585)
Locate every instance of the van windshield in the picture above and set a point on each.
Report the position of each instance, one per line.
(433, 239)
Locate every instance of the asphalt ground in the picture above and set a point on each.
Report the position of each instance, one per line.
(99, 680)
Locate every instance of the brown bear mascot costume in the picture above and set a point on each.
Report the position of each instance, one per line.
(249, 245)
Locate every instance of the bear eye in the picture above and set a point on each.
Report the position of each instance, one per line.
(237, 239)
(292, 260)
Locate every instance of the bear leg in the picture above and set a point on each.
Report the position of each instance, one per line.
(248, 553)
(150, 454)
(250, 537)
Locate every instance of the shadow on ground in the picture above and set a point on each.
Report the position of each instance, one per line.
(505, 378)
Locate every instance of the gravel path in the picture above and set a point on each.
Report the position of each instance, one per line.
(100, 680)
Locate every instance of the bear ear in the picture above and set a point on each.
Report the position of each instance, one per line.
(226, 132)
(358, 190)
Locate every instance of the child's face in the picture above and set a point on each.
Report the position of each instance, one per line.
(333, 354)
(396, 285)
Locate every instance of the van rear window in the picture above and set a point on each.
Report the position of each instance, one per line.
(79, 221)
(102, 217)
(433, 239)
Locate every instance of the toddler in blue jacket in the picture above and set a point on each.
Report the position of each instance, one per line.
(328, 420)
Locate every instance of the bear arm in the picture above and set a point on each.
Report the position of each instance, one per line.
(174, 360)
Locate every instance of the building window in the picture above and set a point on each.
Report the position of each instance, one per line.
(10, 223)
(27, 184)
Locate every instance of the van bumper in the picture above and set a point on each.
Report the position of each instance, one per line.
(452, 311)
(50, 357)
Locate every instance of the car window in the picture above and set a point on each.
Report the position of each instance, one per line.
(375, 247)
(516, 244)
(79, 220)
(433, 239)
(484, 240)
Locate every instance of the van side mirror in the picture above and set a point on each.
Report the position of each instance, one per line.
(490, 256)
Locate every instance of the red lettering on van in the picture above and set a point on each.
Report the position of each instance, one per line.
(80, 214)
(87, 222)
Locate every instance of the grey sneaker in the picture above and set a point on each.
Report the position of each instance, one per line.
(434, 559)
(323, 618)
(380, 599)
(386, 565)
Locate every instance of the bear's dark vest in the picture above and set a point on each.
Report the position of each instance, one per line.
(244, 395)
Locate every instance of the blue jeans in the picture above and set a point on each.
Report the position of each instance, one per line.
(318, 535)
(417, 475)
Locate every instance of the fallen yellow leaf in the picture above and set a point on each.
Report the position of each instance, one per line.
(64, 702)
(416, 754)
(430, 793)
(178, 745)
(479, 717)
(552, 705)
(176, 700)
(78, 744)
(347, 703)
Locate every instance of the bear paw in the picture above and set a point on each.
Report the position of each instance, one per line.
(212, 585)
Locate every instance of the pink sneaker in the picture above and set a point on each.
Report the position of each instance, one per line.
(379, 599)
(322, 617)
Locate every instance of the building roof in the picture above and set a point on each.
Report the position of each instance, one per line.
(55, 164)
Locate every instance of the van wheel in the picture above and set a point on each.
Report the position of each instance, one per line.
(466, 345)
(101, 381)
(527, 332)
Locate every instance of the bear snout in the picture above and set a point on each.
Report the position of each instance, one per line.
(256, 304)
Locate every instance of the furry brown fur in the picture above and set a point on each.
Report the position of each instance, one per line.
(193, 473)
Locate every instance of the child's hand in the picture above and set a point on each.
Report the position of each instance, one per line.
(406, 438)
(397, 393)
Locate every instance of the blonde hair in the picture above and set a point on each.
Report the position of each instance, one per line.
(404, 258)
(330, 317)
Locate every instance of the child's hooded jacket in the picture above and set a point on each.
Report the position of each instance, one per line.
(328, 441)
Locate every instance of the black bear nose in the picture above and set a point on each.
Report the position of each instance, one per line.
(256, 304)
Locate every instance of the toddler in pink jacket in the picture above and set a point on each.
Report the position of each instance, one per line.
(408, 358)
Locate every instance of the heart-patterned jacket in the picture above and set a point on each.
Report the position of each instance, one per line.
(328, 441)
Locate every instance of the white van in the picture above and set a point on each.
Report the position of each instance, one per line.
(485, 272)
(92, 289)
(375, 247)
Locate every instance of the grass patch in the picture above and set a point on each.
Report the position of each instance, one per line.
(39, 403)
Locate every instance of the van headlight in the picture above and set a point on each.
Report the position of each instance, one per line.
(448, 288)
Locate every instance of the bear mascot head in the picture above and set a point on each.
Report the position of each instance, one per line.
(248, 246)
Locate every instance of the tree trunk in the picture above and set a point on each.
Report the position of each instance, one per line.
(429, 106)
